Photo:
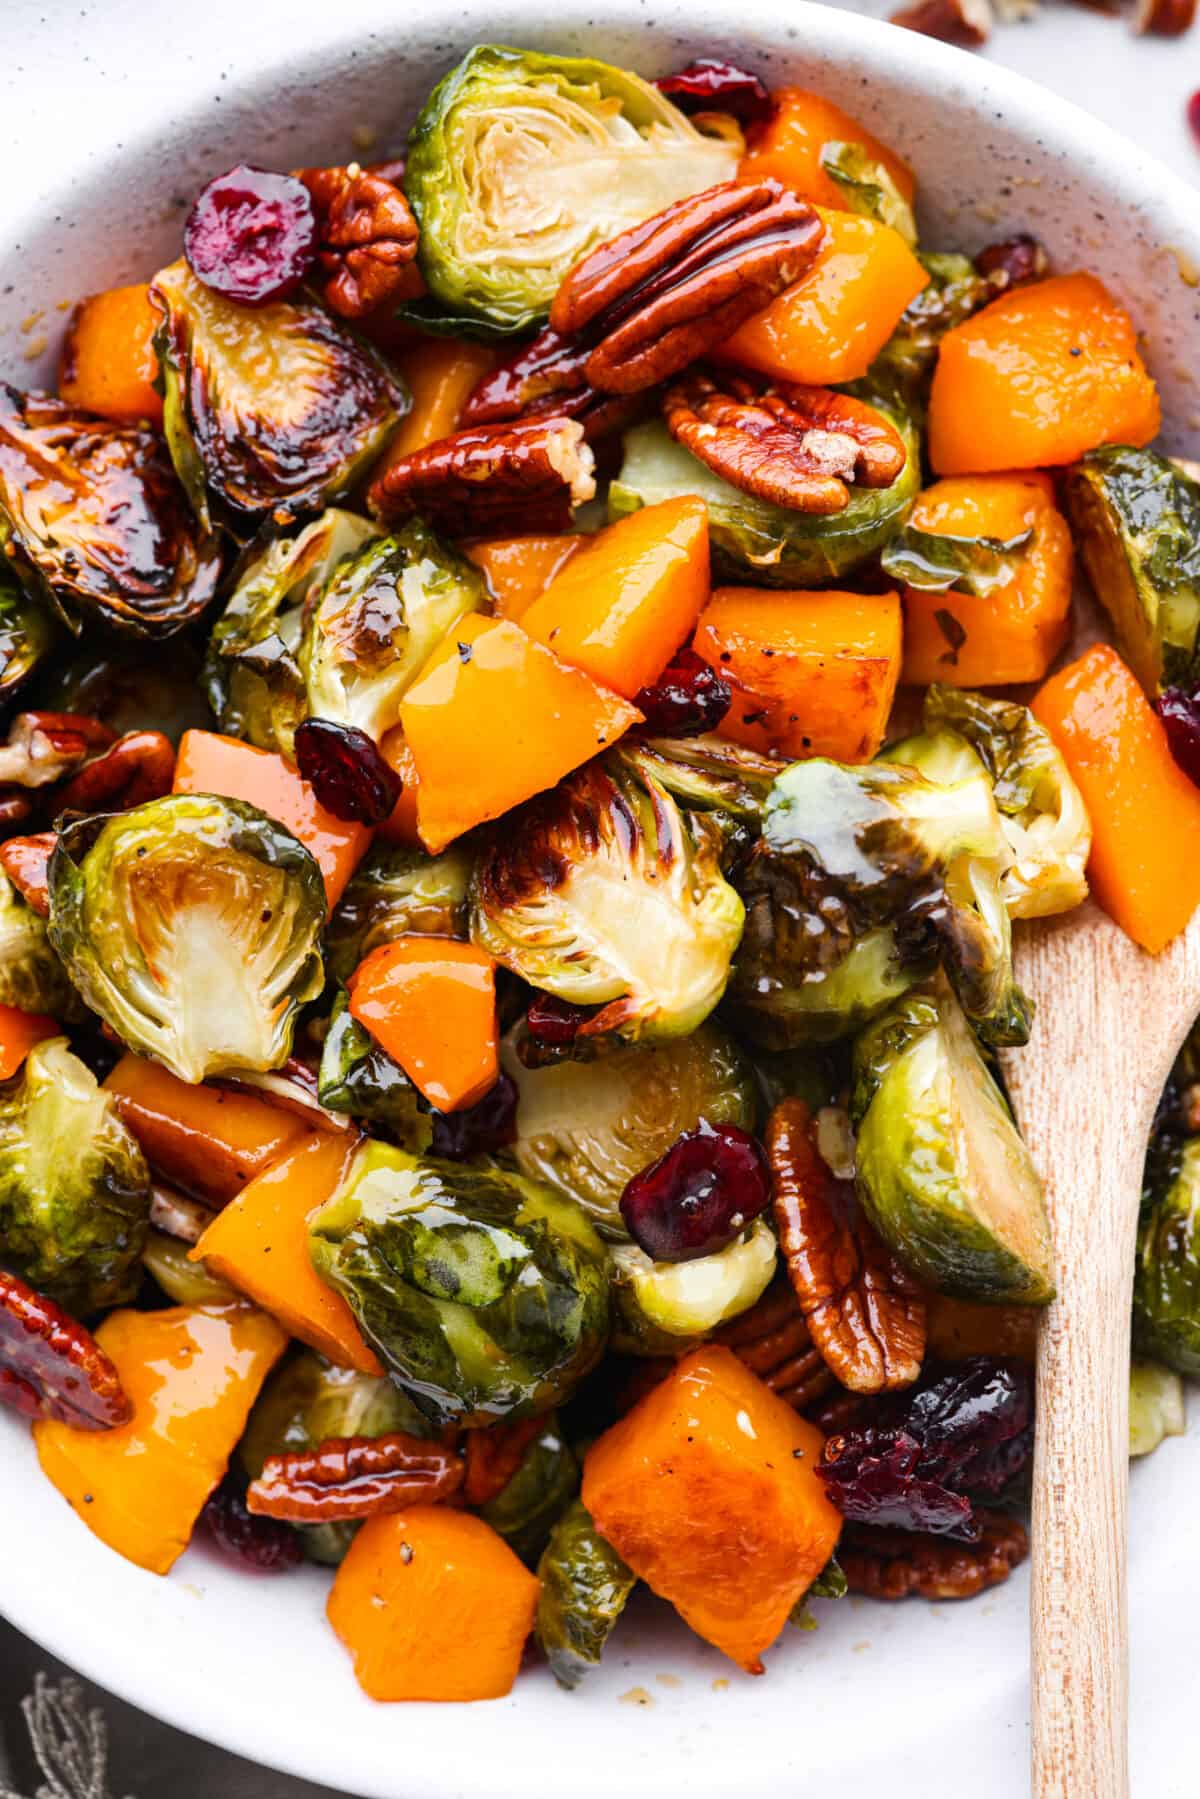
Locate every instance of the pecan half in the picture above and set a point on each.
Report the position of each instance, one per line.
(865, 1312)
(42, 747)
(354, 1477)
(367, 239)
(492, 479)
(795, 446)
(493, 1456)
(546, 375)
(140, 766)
(658, 296)
(893, 1564)
(964, 22)
(1164, 18)
(25, 861)
(51, 1367)
(774, 1342)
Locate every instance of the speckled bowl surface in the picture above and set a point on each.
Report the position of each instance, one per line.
(883, 1702)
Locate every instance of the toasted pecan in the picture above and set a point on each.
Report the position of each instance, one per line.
(25, 861)
(493, 1455)
(354, 1477)
(51, 1367)
(42, 747)
(546, 375)
(774, 1342)
(791, 445)
(492, 479)
(140, 766)
(1164, 18)
(894, 1564)
(865, 1312)
(367, 239)
(967, 23)
(658, 296)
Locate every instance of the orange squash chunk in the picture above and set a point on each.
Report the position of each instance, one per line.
(432, 1604)
(210, 763)
(518, 570)
(708, 1489)
(211, 1141)
(19, 1031)
(400, 826)
(1145, 862)
(831, 324)
(622, 607)
(440, 372)
(431, 1003)
(1038, 377)
(1017, 631)
(108, 361)
(812, 673)
(192, 1375)
(259, 1244)
(494, 718)
(789, 148)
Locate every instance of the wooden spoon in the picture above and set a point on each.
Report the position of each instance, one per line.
(1110, 1020)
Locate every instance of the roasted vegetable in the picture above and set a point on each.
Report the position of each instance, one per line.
(904, 367)
(27, 635)
(485, 1294)
(545, 1483)
(74, 1186)
(1136, 518)
(397, 891)
(1166, 1284)
(866, 185)
(706, 774)
(750, 537)
(94, 521)
(185, 1283)
(941, 1170)
(586, 1128)
(31, 976)
(358, 1077)
(430, 1002)
(267, 408)
(665, 1305)
(370, 629)
(604, 893)
(252, 671)
(1156, 1406)
(585, 1585)
(521, 163)
(191, 925)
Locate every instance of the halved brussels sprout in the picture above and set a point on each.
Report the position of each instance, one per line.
(603, 893)
(358, 1077)
(74, 1186)
(585, 1584)
(520, 163)
(706, 774)
(485, 1294)
(1157, 1409)
(534, 1499)
(394, 892)
(94, 521)
(864, 878)
(586, 1128)
(266, 408)
(1136, 520)
(31, 976)
(1166, 1282)
(662, 1306)
(903, 369)
(751, 538)
(868, 187)
(935, 562)
(185, 1283)
(942, 1172)
(370, 629)
(192, 926)
(27, 635)
(252, 671)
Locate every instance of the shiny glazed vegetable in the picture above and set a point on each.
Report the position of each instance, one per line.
(585, 1585)
(1166, 1286)
(397, 891)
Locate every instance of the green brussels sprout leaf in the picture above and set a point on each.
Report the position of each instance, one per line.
(31, 976)
(661, 1306)
(397, 891)
(903, 369)
(867, 187)
(706, 773)
(358, 1077)
(27, 634)
(185, 1283)
(528, 1507)
(1166, 1281)
(585, 1584)
(1157, 1409)
(934, 562)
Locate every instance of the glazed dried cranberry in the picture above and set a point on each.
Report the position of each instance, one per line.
(914, 1460)
(696, 1198)
(688, 697)
(261, 1543)
(554, 1022)
(1017, 259)
(251, 235)
(346, 771)
(708, 85)
(1179, 710)
(488, 1125)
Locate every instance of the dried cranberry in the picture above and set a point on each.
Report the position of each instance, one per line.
(1179, 710)
(554, 1021)
(251, 235)
(488, 1125)
(262, 1543)
(688, 697)
(696, 1198)
(1193, 114)
(346, 771)
(1016, 260)
(708, 85)
(914, 1460)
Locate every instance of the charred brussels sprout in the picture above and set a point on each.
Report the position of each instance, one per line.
(521, 163)
(603, 893)
(95, 522)
(485, 1294)
(542, 1487)
(586, 1128)
(185, 1283)
(358, 1077)
(904, 367)
(942, 1171)
(27, 636)
(74, 1186)
(661, 1306)
(32, 978)
(1156, 1406)
(252, 671)
(1136, 519)
(192, 926)
(266, 408)
(706, 774)
(585, 1584)
(1166, 1282)
(376, 621)
(752, 539)
(394, 892)
(868, 187)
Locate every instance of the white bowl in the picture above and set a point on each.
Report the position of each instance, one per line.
(893, 1701)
